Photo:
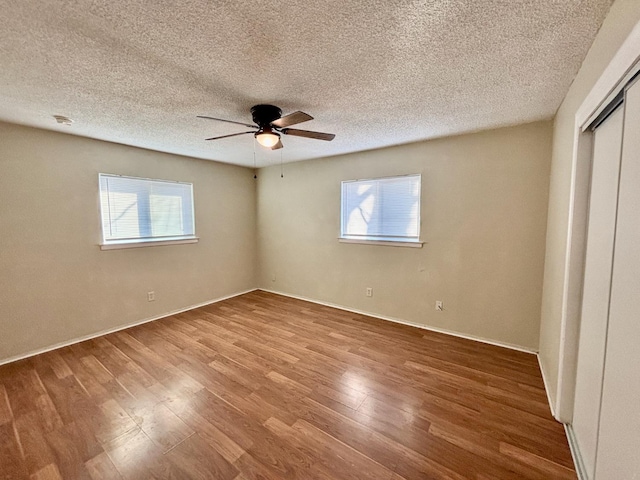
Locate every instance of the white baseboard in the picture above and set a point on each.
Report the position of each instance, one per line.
(546, 389)
(568, 429)
(575, 453)
(405, 322)
(117, 329)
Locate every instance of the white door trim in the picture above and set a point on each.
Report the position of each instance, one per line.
(620, 65)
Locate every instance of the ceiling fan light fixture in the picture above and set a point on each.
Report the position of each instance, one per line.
(267, 138)
(270, 125)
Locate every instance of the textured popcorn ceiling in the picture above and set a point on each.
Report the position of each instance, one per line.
(375, 73)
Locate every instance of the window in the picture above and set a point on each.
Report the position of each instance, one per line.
(382, 210)
(136, 211)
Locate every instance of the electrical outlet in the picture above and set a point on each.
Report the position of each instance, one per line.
(273, 277)
(151, 296)
(439, 306)
(369, 292)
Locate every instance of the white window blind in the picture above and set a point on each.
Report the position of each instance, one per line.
(143, 210)
(384, 209)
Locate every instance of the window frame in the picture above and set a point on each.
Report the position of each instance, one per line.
(382, 240)
(144, 241)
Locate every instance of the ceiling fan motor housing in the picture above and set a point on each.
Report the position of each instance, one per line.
(263, 115)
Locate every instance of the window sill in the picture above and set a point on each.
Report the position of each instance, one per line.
(147, 243)
(382, 242)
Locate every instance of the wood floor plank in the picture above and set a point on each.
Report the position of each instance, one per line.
(253, 470)
(70, 451)
(550, 468)
(330, 452)
(6, 415)
(50, 472)
(163, 426)
(267, 387)
(135, 456)
(221, 443)
(485, 447)
(101, 467)
(11, 456)
(197, 460)
(22, 385)
(31, 436)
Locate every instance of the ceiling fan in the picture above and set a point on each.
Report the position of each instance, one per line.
(269, 124)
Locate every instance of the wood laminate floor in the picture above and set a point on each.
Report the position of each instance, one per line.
(266, 387)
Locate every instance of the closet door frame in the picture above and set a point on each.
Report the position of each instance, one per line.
(619, 425)
(597, 278)
(613, 78)
(622, 67)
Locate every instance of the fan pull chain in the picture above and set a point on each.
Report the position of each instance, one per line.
(281, 171)
(255, 176)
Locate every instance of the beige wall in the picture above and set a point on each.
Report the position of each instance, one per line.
(624, 14)
(55, 282)
(484, 209)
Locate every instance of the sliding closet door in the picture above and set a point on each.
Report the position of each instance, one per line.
(618, 454)
(597, 280)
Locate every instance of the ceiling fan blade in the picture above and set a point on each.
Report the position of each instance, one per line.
(277, 146)
(227, 121)
(306, 133)
(232, 135)
(291, 119)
